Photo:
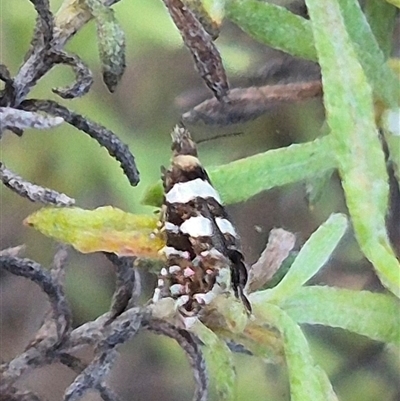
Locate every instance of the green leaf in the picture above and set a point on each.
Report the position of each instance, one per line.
(381, 17)
(242, 179)
(316, 187)
(104, 229)
(218, 360)
(274, 26)
(382, 79)
(111, 39)
(390, 124)
(356, 144)
(312, 256)
(376, 316)
(267, 170)
(154, 195)
(308, 382)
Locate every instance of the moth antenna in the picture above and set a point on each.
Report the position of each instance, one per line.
(221, 136)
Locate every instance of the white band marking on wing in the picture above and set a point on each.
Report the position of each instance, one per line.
(225, 226)
(183, 192)
(174, 269)
(176, 289)
(171, 227)
(197, 226)
(169, 250)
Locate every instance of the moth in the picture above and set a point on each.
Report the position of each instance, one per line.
(203, 257)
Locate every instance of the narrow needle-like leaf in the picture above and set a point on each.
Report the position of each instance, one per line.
(274, 26)
(267, 170)
(308, 382)
(370, 314)
(218, 360)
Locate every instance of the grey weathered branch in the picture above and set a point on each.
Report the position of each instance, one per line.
(105, 334)
(78, 366)
(55, 341)
(116, 148)
(46, 51)
(54, 330)
(127, 286)
(53, 289)
(36, 63)
(191, 345)
(33, 192)
(13, 118)
(83, 76)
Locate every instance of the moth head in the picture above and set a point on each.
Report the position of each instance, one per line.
(186, 162)
(182, 143)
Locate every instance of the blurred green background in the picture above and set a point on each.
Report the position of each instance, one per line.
(159, 84)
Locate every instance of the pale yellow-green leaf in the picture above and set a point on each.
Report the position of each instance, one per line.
(105, 229)
(394, 2)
